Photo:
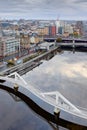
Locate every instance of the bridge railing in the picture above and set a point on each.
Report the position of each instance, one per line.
(59, 101)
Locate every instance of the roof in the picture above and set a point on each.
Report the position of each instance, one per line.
(47, 43)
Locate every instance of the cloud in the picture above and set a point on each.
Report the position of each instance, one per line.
(80, 1)
(67, 9)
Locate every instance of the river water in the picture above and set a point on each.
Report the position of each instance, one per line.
(16, 115)
(66, 72)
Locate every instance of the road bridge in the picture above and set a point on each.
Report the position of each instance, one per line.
(68, 41)
(79, 40)
(72, 44)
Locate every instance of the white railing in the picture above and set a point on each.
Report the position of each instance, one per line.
(55, 98)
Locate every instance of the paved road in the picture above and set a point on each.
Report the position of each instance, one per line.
(22, 53)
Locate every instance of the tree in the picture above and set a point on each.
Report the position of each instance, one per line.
(76, 34)
(59, 39)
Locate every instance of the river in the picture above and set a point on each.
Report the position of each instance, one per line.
(66, 72)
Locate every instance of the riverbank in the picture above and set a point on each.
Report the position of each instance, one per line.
(33, 61)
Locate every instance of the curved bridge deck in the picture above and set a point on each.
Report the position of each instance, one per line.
(56, 99)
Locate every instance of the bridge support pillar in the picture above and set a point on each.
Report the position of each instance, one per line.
(73, 46)
(56, 113)
(16, 87)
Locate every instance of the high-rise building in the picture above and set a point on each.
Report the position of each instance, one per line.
(79, 25)
(61, 30)
(57, 25)
(52, 30)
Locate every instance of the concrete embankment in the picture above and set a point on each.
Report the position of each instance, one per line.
(29, 65)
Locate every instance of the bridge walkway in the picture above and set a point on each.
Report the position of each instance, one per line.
(54, 98)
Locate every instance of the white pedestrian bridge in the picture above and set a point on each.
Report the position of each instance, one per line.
(53, 98)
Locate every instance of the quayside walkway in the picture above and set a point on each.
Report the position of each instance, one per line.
(29, 65)
(54, 98)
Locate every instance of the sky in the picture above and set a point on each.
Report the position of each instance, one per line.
(43, 9)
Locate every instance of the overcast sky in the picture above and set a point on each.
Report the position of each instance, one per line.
(43, 9)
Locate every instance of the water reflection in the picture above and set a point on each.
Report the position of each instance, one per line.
(15, 115)
(66, 73)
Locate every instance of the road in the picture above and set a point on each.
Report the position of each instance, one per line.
(20, 54)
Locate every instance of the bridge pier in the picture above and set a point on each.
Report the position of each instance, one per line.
(56, 113)
(73, 46)
(16, 87)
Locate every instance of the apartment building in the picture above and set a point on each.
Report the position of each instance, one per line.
(43, 31)
(9, 45)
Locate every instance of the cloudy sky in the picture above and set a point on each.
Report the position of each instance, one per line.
(43, 9)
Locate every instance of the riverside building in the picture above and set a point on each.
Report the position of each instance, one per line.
(8, 46)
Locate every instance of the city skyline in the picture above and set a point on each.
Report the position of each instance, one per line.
(43, 9)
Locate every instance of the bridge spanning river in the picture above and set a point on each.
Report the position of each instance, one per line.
(58, 101)
(54, 98)
(78, 40)
(68, 41)
(72, 44)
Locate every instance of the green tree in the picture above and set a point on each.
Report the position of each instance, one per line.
(76, 34)
(59, 39)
